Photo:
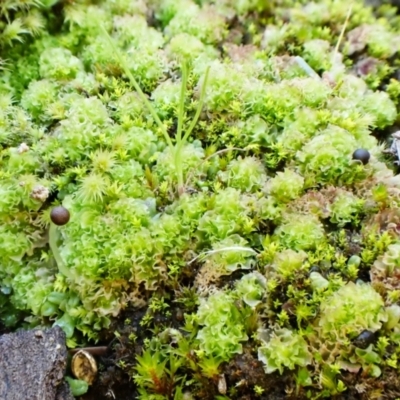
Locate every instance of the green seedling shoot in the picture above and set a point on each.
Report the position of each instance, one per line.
(181, 137)
(53, 237)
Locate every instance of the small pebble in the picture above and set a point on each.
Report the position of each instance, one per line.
(39, 334)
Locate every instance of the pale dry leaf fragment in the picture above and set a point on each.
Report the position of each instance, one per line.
(222, 388)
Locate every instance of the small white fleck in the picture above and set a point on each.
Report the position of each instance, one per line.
(39, 334)
(23, 148)
(40, 193)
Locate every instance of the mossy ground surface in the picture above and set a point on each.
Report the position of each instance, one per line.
(223, 242)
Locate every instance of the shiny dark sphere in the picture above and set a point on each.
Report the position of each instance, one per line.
(364, 339)
(59, 215)
(362, 155)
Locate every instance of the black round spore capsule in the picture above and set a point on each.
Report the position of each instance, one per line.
(362, 155)
(364, 339)
(59, 215)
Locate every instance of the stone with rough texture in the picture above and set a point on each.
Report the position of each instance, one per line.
(32, 365)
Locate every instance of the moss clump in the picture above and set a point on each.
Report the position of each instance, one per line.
(284, 350)
(352, 309)
(223, 330)
(204, 151)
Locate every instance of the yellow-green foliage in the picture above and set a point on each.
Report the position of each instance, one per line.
(350, 310)
(213, 174)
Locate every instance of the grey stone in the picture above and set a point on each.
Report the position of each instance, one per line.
(33, 364)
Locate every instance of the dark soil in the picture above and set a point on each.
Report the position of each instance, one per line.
(114, 382)
(242, 373)
(111, 384)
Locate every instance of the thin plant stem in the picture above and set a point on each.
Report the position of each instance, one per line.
(179, 145)
(199, 108)
(138, 89)
(306, 67)
(342, 32)
(94, 351)
(181, 110)
(181, 116)
(53, 236)
(180, 140)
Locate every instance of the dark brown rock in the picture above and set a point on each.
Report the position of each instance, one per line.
(32, 365)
